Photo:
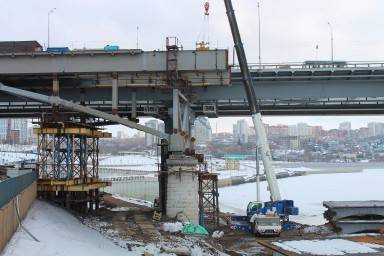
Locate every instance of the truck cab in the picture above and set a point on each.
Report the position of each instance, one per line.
(266, 225)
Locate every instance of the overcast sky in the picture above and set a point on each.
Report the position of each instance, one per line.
(290, 29)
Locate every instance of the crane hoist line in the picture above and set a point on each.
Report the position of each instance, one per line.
(203, 44)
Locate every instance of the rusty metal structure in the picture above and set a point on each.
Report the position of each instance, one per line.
(209, 201)
(67, 163)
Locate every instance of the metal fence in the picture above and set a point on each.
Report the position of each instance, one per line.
(139, 187)
(10, 188)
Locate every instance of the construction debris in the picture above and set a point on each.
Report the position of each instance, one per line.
(348, 217)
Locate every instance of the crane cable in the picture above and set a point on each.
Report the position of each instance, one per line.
(204, 31)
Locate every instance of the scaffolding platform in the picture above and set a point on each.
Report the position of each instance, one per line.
(68, 163)
(209, 201)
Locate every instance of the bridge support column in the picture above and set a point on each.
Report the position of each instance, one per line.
(115, 93)
(182, 188)
(176, 111)
(55, 89)
(134, 109)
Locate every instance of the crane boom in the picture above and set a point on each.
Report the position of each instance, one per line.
(252, 101)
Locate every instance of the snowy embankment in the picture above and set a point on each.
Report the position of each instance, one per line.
(61, 234)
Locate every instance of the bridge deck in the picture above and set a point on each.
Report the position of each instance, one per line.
(281, 89)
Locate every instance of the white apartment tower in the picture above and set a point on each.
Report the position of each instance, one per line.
(241, 132)
(375, 129)
(202, 130)
(151, 140)
(345, 126)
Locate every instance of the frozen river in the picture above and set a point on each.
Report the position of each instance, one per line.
(309, 192)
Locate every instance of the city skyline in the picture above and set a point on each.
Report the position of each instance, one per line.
(225, 124)
(327, 122)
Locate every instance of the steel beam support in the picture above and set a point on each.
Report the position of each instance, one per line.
(71, 105)
(55, 85)
(176, 111)
(114, 93)
(134, 104)
(55, 89)
(185, 123)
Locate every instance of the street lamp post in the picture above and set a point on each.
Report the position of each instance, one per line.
(258, 15)
(331, 41)
(257, 174)
(49, 14)
(137, 37)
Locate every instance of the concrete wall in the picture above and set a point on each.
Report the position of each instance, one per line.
(8, 214)
(182, 189)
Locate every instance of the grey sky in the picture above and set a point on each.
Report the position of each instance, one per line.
(290, 29)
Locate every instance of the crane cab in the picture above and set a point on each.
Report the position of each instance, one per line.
(254, 207)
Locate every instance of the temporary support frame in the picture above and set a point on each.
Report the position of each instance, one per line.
(209, 201)
(64, 151)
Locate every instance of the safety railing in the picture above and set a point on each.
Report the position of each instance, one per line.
(312, 64)
(11, 187)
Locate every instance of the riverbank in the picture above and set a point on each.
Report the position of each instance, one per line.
(288, 170)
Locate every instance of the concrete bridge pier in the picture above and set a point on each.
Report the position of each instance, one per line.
(182, 188)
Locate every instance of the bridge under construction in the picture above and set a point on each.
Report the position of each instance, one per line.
(74, 94)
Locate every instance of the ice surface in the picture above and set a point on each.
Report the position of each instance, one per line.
(309, 192)
(327, 247)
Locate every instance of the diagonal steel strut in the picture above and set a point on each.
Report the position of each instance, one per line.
(55, 100)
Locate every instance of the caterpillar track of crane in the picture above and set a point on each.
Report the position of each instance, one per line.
(256, 211)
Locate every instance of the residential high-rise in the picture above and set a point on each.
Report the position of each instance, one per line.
(14, 131)
(201, 130)
(301, 129)
(375, 128)
(241, 132)
(345, 126)
(3, 130)
(151, 140)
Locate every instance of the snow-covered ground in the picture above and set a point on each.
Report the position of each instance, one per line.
(61, 234)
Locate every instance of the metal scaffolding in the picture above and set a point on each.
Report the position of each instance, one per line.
(209, 201)
(67, 163)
